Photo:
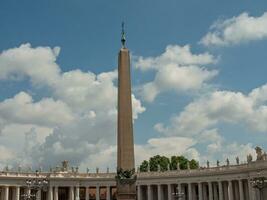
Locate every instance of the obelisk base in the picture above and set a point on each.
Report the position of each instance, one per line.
(126, 192)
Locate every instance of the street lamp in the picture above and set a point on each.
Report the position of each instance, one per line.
(178, 194)
(259, 183)
(34, 184)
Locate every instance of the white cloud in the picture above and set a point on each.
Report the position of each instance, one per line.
(155, 146)
(6, 154)
(77, 120)
(236, 30)
(217, 107)
(200, 119)
(177, 69)
(167, 146)
(38, 64)
(174, 54)
(46, 112)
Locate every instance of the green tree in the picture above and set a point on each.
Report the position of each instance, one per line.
(158, 160)
(194, 164)
(144, 166)
(182, 162)
(163, 162)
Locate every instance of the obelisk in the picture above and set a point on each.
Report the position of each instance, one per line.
(126, 189)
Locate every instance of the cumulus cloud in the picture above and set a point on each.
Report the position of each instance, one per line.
(38, 64)
(177, 69)
(176, 54)
(236, 30)
(167, 146)
(200, 119)
(217, 107)
(76, 120)
(46, 112)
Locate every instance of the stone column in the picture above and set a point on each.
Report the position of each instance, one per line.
(77, 193)
(17, 193)
(230, 190)
(252, 193)
(6, 192)
(50, 193)
(139, 192)
(38, 194)
(108, 193)
(210, 191)
(215, 192)
(205, 193)
(159, 192)
(241, 192)
(87, 193)
(97, 193)
(149, 192)
(56, 193)
(194, 192)
(169, 192)
(200, 191)
(189, 191)
(220, 190)
(28, 191)
(71, 196)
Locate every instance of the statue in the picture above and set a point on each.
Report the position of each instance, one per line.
(208, 164)
(107, 170)
(227, 162)
(87, 170)
(218, 163)
(123, 39)
(19, 168)
(237, 160)
(259, 153)
(264, 156)
(77, 169)
(97, 170)
(168, 167)
(126, 176)
(178, 166)
(188, 165)
(65, 165)
(148, 167)
(158, 167)
(249, 158)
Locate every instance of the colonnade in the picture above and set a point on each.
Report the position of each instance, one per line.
(15, 193)
(210, 190)
(10, 193)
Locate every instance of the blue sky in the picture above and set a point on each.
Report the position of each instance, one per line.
(214, 51)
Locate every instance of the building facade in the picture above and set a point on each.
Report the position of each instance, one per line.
(229, 182)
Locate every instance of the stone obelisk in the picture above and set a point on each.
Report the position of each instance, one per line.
(126, 189)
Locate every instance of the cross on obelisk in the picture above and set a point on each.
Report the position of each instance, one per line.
(126, 189)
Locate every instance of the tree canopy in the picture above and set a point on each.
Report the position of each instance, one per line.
(164, 163)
